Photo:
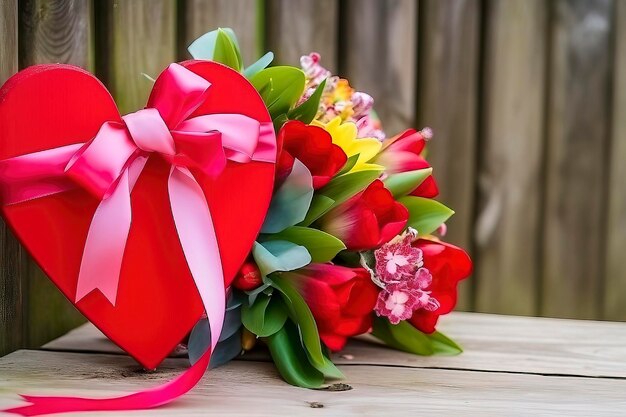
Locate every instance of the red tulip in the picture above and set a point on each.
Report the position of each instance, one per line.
(341, 300)
(448, 265)
(403, 153)
(367, 220)
(311, 145)
(248, 278)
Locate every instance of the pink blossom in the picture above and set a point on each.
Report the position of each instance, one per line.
(396, 302)
(397, 260)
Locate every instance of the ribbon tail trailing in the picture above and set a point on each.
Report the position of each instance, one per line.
(199, 243)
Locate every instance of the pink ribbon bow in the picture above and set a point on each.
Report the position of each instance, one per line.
(108, 166)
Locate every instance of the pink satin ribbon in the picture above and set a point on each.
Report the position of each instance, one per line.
(108, 166)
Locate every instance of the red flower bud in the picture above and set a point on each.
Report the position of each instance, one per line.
(248, 278)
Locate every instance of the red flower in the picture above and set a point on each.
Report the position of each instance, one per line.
(248, 277)
(403, 153)
(448, 265)
(367, 220)
(341, 300)
(311, 145)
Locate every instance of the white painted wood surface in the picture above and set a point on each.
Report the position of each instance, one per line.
(511, 366)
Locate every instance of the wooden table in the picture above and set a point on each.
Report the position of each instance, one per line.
(511, 366)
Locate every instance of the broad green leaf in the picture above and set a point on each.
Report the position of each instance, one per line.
(345, 186)
(218, 45)
(291, 359)
(287, 87)
(402, 336)
(301, 315)
(226, 50)
(425, 215)
(444, 345)
(259, 65)
(265, 317)
(350, 163)
(306, 111)
(320, 204)
(329, 369)
(403, 183)
(291, 202)
(279, 255)
(322, 246)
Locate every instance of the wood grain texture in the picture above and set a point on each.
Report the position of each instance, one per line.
(12, 262)
(447, 101)
(56, 31)
(298, 27)
(141, 40)
(578, 122)
(615, 270)
(491, 343)
(51, 31)
(512, 141)
(379, 57)
(201, 16)
(255, 389)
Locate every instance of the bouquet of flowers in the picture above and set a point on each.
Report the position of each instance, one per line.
(349, 245)
(268, 198)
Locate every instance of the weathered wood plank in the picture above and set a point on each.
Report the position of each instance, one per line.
(379, 56)
(52, 31)
(141, 40)
(11, 257)
(578, 121)
(56, 31)
(253, 388)
(491, 343)
(447, 92)
(240, 15)
(297, 27)
(615, 270)
(511, 151)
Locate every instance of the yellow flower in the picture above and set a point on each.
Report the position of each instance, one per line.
(344, 136)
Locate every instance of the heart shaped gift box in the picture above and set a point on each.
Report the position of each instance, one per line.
(155, 301)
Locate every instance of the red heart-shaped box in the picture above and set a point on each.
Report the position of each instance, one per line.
(49, 106)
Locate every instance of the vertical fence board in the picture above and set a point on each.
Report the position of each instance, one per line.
(240, 15)
(52, 31)
(56, 31)
(615, 271)
(142, 40)
(379, 56)
(11, 278)
(510, 183)
(578, 117)
(297, 27)
(447, 101)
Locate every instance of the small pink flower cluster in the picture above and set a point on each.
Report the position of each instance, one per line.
(339, 99)
(400, 268)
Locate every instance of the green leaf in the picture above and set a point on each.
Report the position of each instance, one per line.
(322, 246)
(345, 186)
(425, 215)
(307, 111)
(301, 314)
(226, 50)
(259, 65)
(330, 370)
(403, 183)
(402, 336)
(291, 359)
(265, 317)
(291, 202)
(320, 204)
(442, 344)
(287, 87)
(218, 45)
(279, 255)
(350, 163)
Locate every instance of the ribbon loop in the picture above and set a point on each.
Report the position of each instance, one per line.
(149, 131)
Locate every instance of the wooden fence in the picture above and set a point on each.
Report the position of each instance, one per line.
(527, 99)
